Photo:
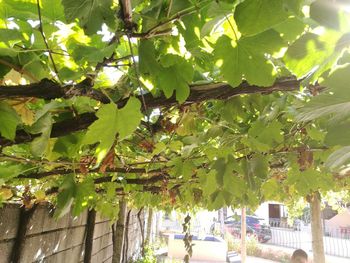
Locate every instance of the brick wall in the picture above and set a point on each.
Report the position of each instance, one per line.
(50, 240)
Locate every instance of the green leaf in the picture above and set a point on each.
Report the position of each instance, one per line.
(91, 54)
(217, 11)
(333, 102)
(85, 192)
(272, 190)
(255, 16)
(338, 134)
(112, 121)
(9, 170)
(338, 158)
(291, 28)
(21, 9)
(9, 120)
(326, 13)
(312, 54)
(67, 192)
(90, 13)
(245, 59)
(159, 147)
(148, 63)
(264, 136)
(255, 167)
(53, 10)
(217, 200)
(175, 75)
(40, 144)
(68, 146)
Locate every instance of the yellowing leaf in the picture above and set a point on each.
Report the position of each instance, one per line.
(6, 193)
(26, 114)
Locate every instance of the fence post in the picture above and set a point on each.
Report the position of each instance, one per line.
(118, 233)
(90, 227)
(24, 218)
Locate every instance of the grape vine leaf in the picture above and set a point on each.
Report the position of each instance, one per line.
(255, 16)
(312, 54)
(245, 59)
(90, 13)
(9, 120)
(112, 121)
(43, 125)
(335, 103)
(326, 13)
(85, 192)
(175, 75)
(67, 192)
(338, 158)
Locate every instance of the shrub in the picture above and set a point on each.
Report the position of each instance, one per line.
(256, 250)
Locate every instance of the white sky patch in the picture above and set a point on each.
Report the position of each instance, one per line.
(113, 74)
(106, 34)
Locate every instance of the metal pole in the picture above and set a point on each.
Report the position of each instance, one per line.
(243, 236)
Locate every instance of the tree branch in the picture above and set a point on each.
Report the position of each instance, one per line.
(47, 89)
(41, 30)
(98, 180)
(198, 93)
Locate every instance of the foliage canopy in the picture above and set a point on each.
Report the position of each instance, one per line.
(172, 103)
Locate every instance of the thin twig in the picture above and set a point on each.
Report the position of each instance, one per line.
(154, 30)
(140, 86)
(45, 40)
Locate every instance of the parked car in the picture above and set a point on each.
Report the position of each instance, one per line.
(255, 227)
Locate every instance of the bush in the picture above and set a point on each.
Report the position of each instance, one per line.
(149, 257)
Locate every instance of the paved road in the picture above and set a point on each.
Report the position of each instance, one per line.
(302, 239)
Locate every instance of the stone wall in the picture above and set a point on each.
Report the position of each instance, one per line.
(63, 240)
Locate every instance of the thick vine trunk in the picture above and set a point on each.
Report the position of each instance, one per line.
(198, 93)
(316, 229)
(243, 236)
(149, 227)
(118, 237)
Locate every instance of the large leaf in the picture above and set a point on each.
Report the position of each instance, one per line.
(85, 192)
(43, 125)
(312, 53)
(175, 75)
(9, 120)
(256, 16)
(67, 192)
(339, 158)
(245, 59)
(10, 170)
(112, 121)
(335, 101)
(90, 13)
(338, 134)
(325, 12)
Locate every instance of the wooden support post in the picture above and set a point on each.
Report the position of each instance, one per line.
(118, 230)
(89, 239)
(24, 218)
